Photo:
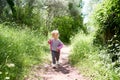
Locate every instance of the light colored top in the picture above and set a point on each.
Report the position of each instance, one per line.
(55, 44)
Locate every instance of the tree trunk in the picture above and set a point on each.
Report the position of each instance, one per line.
(11, 4)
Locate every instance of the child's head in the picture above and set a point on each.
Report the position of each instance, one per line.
(55, 34)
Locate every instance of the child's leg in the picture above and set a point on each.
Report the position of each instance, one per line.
(53, 57)
(57, 56)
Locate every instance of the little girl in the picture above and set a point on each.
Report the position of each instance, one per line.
(55, 46)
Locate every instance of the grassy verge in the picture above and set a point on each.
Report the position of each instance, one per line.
(19, 50)
(90, 60)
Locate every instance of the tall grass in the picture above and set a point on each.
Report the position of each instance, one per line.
(19, 49)
(90, 60)
(81, 47)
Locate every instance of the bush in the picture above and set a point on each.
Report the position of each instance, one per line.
(113, 48)
(107, 17)
(19, 49)
(64, 25)
(92, 61)
(68, 26)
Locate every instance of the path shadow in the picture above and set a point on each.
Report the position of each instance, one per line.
(63, 69)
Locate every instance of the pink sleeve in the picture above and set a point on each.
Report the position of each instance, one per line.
(49, 41)
(60, 45)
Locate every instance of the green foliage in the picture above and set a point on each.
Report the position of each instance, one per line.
(65, 27)
(110, 66)
(19, 49)
(68, 26)
(92, 61)
(113, 48)
(107, 18)
(37, 16)
(81, 47)
(100, 63)
(22, 12)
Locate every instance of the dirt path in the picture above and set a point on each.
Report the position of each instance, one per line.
(64, 72)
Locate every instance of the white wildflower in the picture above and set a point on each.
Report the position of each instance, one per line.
(7, 78)
(0, 72)
(11, 65)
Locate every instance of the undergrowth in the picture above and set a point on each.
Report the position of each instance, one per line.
(92, 61)
(19, 50)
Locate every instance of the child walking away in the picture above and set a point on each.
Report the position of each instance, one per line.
(55, 47)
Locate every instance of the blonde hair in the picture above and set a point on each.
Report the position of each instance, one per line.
(55, 32)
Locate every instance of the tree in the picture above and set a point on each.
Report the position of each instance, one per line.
(107, 18)
(12, 6)
(69, 24)
(54, 8)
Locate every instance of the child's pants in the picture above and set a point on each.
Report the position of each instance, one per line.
(55, 56)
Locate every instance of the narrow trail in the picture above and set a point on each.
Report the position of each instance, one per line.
(64, 72)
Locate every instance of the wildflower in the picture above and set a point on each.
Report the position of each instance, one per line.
(11, 65)
(7, 78)
(0, 72)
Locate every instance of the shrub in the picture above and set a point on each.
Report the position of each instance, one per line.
(64, 25)
(106, 17)
(68, 26)
(113, 48)
(92, 61)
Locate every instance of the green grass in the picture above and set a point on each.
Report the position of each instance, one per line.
(81, 48)
(19, 50)
(90, 60)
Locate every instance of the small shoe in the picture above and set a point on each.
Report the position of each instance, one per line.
(57, 66)
(54, 66)
(57, 63)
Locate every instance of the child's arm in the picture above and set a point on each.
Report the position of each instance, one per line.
(60, 45)
(49, 41)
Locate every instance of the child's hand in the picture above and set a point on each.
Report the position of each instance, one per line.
(49, 41)
(57, 50)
